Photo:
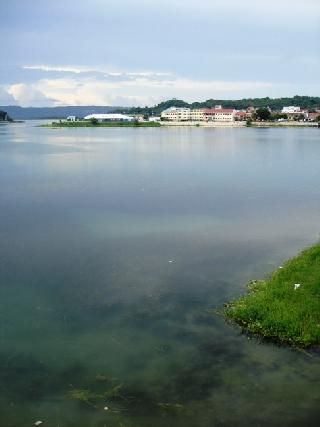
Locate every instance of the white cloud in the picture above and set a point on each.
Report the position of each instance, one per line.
(131, 89)
(5, 97)
(29, 95)
(146, 74)
(107, 85)
(76, 69)
(48, 68)
(104, 69)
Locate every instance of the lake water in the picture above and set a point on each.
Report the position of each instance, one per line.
(118, 249)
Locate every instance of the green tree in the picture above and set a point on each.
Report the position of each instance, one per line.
(263, 114)
(93, 121)
(277, 116)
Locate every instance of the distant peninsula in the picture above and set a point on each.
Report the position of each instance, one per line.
(4, 117)
(92, 123)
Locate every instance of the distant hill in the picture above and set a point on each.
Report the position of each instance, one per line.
(25, 113)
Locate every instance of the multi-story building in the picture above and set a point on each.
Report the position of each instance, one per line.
(295, 113)
(250, 113)
(176, 114)
(313, 117)
(240, 115)
(197, 115)
(219, 114)
(291, 109)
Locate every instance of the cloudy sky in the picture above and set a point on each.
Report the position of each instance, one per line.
(140, 52)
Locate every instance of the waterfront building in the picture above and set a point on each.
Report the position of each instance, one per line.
(313, 117)
(108, 117)
(240, 115)
(197, 115)
(219, 114)
(295, 113)
(138, 118)
(291, 109)
(179, 114)
(250, 112)
(176, 114)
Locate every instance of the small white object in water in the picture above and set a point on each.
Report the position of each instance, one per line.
(296, 286)
(38, 423)
(106, 408)
(171, 260)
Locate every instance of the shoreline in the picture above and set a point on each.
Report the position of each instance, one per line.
(285, 124)
(242, 124)
(285, 307)
(204, 124)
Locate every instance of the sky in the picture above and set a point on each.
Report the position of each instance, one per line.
(139, 52)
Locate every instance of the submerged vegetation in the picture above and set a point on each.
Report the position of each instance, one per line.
(111, 392)
(285, 307)
(114, 397)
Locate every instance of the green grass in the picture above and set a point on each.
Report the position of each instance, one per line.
(87, 123)
(274, 309)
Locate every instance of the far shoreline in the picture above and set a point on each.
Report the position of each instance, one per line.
(237, 124)
(89, 124)
(186, 124)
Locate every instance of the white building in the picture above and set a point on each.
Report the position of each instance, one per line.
(217, 114)
(154, 119)
(176, 114)
(295, 113)
(291, 109)
(197, 115)
(71, 118)
(108, 117)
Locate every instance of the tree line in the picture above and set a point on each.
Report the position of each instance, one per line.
(311, 103)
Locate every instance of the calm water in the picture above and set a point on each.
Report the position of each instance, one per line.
(118, 246)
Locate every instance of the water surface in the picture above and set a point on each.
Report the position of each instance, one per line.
(117, 248)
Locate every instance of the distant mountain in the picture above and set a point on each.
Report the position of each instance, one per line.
(25, 113)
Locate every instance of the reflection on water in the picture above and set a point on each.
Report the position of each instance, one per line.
(117, 248)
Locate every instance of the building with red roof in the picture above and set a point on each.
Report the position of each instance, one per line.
(219, 114)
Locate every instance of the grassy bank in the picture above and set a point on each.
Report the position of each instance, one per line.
(87, 123)
(286, 306)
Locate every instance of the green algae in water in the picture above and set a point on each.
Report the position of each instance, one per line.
(85, 396)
